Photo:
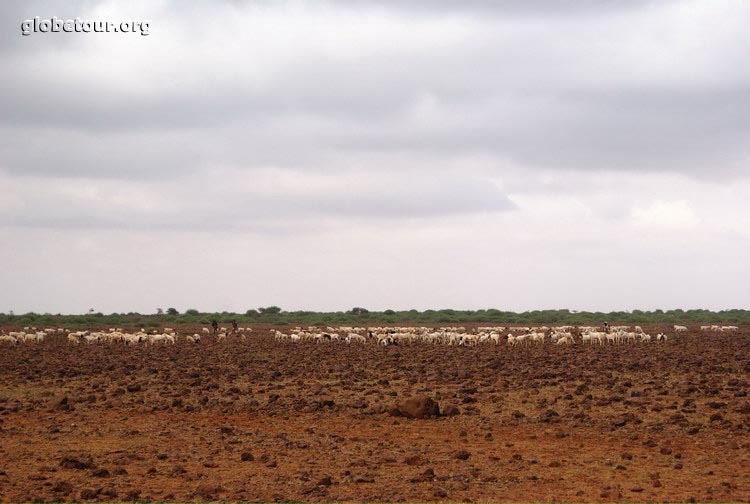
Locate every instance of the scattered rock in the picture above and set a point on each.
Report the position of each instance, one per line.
(133, 495)
(178, 470)
(325, 481)
(74, 463)
(62, 487)
(627, 418)
(450, 410)
(461, 455)
(550, 416)
(60, 403)
(414, 460)
(208, 491)
(109, 492)
(89, 493)
(427, 475)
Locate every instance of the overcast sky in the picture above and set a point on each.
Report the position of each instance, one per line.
(430, 154)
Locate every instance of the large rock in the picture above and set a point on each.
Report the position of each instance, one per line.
(416, 407)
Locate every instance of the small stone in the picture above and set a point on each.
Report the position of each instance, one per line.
(413, 460)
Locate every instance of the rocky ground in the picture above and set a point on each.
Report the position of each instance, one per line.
(267, 421)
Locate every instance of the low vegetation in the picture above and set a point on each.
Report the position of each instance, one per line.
(362, 316)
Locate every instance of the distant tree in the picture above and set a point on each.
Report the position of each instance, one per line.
(269, 310)
(192, 311)
(251, 312)
(172, 311)
(389, 312)
(358, 311)
(159, 311)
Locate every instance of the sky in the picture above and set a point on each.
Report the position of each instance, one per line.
(321, 155)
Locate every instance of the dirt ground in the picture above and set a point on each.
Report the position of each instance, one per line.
(267, 421)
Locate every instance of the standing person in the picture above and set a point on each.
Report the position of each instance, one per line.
(215, 326)
(234, 326)
(606, 327)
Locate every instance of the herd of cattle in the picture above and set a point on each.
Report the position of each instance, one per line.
(457, 336)
(166, 335)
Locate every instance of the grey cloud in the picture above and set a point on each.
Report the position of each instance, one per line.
(505, 7)
(521, 98)
(213, 202)
(143, 155)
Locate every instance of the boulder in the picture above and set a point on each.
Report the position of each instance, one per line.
(416, 407)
